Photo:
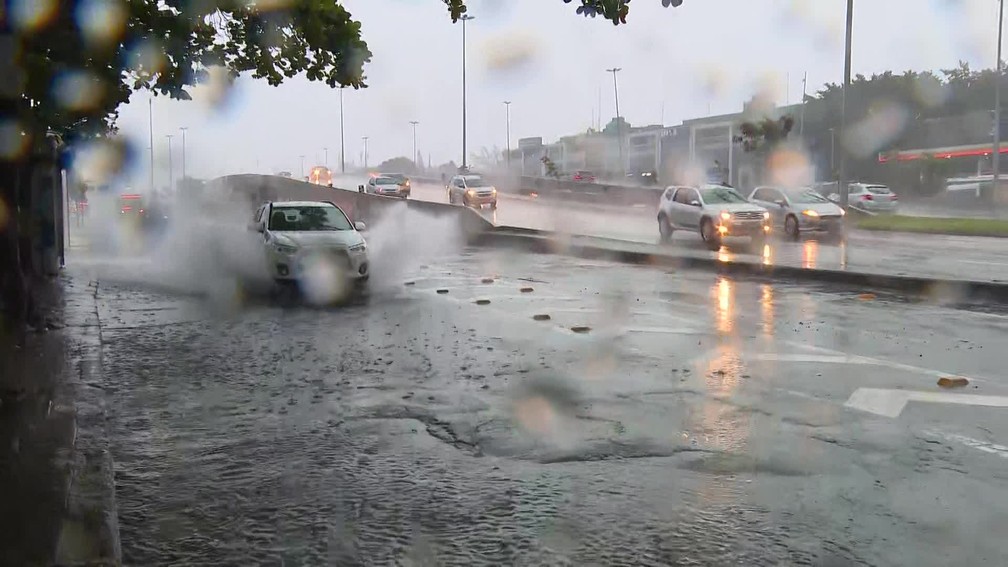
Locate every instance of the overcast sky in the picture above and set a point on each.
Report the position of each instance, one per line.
(550, 62)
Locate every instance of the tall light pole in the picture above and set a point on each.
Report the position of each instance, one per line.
(415, 164)
(183, 129)
(302, 167)
(365, 138)
(342, 154)
(465, 18)
(842, 181)
(171, 177)
(996, 158)
(507, 143)
(619, 126)
(150, 126)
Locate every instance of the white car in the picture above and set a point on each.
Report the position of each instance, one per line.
(389, 185)
(472, 191)
(713, 211)
(299, 236)
(800, 210)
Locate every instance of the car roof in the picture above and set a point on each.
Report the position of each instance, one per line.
(302, 204)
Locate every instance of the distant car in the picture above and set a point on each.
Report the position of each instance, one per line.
(285, 174)
(386, 185)
(713, 211)
(583, 176)
(471, 190)
(402, 180)
(871, 197)
(320, 175)
(799, 210)
(298, 233)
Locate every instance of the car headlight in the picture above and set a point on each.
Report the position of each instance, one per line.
(842, 212)
(493, 190)
(725, 215)
(766, 215)
(359, 247)
(284, 249)
(470, 192)
(810, 213)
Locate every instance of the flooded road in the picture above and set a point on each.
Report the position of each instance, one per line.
(498, 408)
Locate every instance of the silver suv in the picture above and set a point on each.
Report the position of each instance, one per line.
(713, 211)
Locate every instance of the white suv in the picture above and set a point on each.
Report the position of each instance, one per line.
(713, 211)
(300, 236)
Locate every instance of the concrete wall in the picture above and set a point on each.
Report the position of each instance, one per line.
(253, 190)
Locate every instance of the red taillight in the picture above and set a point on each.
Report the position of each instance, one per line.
(866, 198)
(894, 197)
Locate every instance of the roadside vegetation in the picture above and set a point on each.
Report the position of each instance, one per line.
(934, 225)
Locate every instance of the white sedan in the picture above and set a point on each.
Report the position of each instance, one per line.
(308, 242)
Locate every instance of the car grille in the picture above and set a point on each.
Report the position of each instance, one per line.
(748, 215)
(485, 193)
(829, 217)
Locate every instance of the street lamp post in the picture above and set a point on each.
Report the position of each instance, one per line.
(619, 127)
(842, 181)
(171, 178)
(415, 164)
(302, 166)
(465, 18)
(507, 143)
(996, 157)
(150, 125)
(342, 154)
(365, 138)
(326, 152)
(183, 129)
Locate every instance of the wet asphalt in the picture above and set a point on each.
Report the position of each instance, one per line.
(917, 255)
(653, 418)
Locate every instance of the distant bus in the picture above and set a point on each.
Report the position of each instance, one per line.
(320, 175)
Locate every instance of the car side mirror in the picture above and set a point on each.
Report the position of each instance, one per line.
(360, 226)
(781, 202)
(694, 203)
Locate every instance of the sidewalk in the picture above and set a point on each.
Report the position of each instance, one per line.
(55, 467)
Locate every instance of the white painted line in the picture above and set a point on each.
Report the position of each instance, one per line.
(854, 359)
(664, 330)
(890, 403)
(817, 358)
(985, 446)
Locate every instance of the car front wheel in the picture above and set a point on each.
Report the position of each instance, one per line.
(791, 228)
(709, 235)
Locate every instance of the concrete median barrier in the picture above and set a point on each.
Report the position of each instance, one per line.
(252, 190)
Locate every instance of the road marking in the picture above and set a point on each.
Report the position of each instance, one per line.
(818, 358)
(855, 359)
(890, 403)
(985, 446)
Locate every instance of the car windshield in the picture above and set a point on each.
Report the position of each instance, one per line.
(721, 195)
(393, 178)
(308, 218)
(385, 181)
(806, 196)
(475, 182)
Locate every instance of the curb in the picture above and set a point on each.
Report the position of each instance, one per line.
(550, 243)
(89, 531)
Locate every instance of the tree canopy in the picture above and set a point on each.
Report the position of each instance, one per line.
(81, 60)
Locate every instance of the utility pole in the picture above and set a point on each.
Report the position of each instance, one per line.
(183, 129)
(150, 126)
(619, 124)
(507, 143)
(804, 89)
(417, 165)
(365, 138)
(465, 18)
(342, 154)
(844, 190)
(326, 162)
(302, 167)
(171, 177)
(996, 157)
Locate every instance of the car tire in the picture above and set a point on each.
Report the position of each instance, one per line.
(791, 227)
(709, 235)
(493, 206)
(665, 229)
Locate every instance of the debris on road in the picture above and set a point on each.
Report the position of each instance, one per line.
(526, 290)
(442, 291)
(866, 296)
(488, 280)
(482, 302)
(580, 330)
(541, 317)
(953, 382)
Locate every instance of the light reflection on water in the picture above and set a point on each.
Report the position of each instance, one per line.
(810, 254)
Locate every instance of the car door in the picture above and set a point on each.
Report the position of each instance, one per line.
(694, 209)
(459, 187)
(774, 201)
(677, 206)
